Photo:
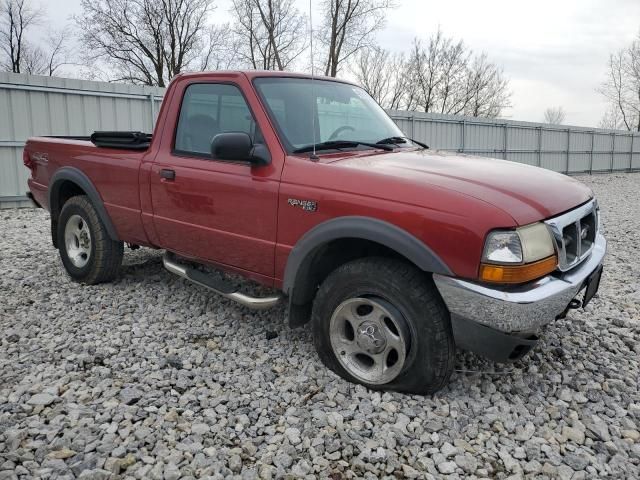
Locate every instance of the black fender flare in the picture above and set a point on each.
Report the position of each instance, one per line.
(74, 175)
(365, 228)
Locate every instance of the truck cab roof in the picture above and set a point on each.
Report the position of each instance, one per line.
(251, 74)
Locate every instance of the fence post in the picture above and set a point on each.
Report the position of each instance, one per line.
(568, 149)
(613, 150)
(539, 146)
(593, 135)
(631, 153)
(504, 143)
(413, 126)
(153, 110)
(464, 127)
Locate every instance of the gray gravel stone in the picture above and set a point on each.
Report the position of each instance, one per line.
(154, 378)
(171, 472)
(446, 467)
(466, 462)
(130, 395)
(283, 460)
(97, 474)
(200, 428)
(525, 432)
(41, 399)
(235, 463)
(575, 461)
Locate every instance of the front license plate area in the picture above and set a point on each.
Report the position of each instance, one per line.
(593, 282)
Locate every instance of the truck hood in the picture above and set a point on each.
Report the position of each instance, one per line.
(528, 194)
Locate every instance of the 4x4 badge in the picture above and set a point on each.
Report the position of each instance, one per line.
(306, 205)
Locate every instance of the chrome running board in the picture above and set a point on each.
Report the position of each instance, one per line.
(219, 286)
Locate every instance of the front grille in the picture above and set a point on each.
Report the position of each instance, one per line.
(574, 234)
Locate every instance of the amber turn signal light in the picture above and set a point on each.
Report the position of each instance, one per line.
(517, 273)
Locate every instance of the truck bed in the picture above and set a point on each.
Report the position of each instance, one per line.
(111, 166)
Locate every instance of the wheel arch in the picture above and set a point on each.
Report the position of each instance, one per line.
(68, 182)
(336, 241)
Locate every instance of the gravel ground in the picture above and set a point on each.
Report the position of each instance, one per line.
(149, 377)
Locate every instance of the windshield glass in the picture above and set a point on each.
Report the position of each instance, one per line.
(337, 111)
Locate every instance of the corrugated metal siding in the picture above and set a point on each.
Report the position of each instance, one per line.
(34, 105)
(564, 149)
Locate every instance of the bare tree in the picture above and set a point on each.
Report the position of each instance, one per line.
(220, 49)
(371, 71)
(48, 58)
(348, 27)
(453, 88)
(554, 115)
(622, 88)
(488, 89)
(612, 119)
(271, 34)
(441, 70)
(16, 17)
(444, 76)
(147, 41)
(424, 65)
(441, 75)
(380, 73)
(399, 82)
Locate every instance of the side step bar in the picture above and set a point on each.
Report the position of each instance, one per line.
(219, 286)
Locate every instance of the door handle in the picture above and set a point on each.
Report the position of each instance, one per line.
(168, 174)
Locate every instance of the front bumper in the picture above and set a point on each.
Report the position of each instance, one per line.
(515, 311)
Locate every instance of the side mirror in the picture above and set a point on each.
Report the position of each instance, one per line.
(237, 146)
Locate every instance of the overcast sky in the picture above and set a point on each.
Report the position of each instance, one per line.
(553, 51)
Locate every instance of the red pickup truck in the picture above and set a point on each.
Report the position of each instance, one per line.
(396, 253)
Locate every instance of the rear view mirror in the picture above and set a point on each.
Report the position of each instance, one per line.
(237, 146)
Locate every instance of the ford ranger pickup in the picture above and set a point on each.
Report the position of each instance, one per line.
(396, 254)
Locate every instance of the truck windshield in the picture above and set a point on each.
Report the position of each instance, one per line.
(344, 116)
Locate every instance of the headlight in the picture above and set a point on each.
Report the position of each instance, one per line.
(517, 256)
(503, 247)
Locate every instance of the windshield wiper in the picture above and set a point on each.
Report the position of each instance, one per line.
(398, 140)
(329, 144)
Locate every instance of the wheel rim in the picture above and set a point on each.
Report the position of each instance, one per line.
(77, 239)
(370, 339)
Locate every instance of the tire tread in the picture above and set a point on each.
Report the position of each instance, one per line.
(108, 253)
(418, 287)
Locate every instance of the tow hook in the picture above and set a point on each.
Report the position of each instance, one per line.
(573, 305)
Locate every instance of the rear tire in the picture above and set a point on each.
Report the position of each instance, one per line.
(88, 253)
(381, 322)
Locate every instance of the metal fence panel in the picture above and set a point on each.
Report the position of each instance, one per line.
(528, 158)
(580, 141)
(601, 162)
(524, 138)
(555, 161)
(34, 105)
(566, 149)
(579, 162)
(602, 142)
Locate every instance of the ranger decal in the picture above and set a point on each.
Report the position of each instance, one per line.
(306, 205)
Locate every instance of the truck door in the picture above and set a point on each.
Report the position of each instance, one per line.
(215, 210)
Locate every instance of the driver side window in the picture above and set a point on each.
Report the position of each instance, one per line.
(208, 109)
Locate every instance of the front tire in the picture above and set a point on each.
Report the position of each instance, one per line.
(381, 322)
(88, 254)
